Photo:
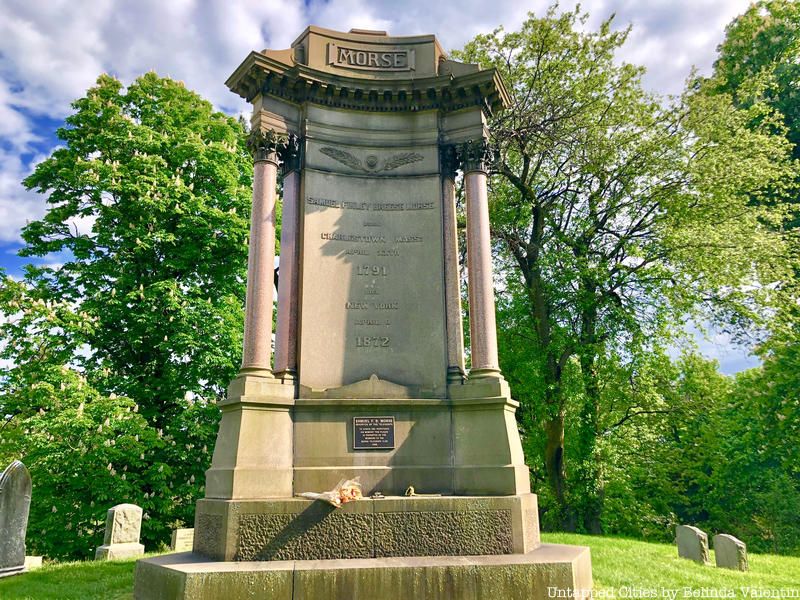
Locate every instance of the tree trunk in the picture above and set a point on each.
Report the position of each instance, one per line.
(554, 467)
(590, 459)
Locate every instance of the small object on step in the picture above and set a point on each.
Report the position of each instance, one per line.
(377, 496)
(347, 490)
(411, 492)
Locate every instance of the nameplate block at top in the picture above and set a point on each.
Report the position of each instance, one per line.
(370, 59)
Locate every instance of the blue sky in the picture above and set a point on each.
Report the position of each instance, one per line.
(51, 51)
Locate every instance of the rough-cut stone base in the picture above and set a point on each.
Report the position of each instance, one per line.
(118, 551)
(510, 577)
(299, 529)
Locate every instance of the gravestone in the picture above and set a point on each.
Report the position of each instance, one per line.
(123, 526)
(730, 552)
(692, 543)
(15, 503)
(182, 540)
(368, 133)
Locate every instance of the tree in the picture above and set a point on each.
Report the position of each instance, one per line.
(118, 355)
(615, 216)
(764, 43)
(86, 450)
(162, 182)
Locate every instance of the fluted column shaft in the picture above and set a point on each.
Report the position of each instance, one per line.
(257, 352)
(288, 281)
(483, 328)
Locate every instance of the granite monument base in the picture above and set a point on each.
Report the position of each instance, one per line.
(536, 575)
(300, 529)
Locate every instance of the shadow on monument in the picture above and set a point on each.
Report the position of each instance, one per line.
(375, 275)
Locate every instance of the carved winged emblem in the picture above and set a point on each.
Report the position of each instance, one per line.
(343, 157)
(398, 160)
(371, 163)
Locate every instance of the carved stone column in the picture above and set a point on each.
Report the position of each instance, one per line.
(286, 329)
(482, 326)
(455, 331)
(253, 456)
(257, 352)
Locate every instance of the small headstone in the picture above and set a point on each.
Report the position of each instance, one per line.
(692, 543)
(15, 503)
(730, 552)
(182, 540)
(33, 562)
(123, 525)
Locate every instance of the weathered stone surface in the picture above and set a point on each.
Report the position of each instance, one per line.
(730, 552)
(462, 533)
(208, 539)
(536, 575)
(300, 529)
(692, 543)
(15, 502)
(370, 328)
(123, 526)
(182, 540)
(318, 533)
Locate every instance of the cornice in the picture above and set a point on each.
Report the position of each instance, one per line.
(260, 74)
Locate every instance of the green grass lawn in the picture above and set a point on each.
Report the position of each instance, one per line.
(72, 581)
(622, 569)
(621, 566)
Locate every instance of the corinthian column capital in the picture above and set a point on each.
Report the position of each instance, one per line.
(475, 155)
(265, 145)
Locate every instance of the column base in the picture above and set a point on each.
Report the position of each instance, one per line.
(549, 571)
(489, 373)
(456, 375)
(253, 454)
(262, 372)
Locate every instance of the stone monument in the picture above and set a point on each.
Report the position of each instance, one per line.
(123, 526)
(367, 133)
(182, 540)
(15, 503)
(692, 543)
(730, 552)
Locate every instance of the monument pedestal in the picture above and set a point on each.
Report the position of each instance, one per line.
(300, 529)
(529, 576)
(369, 131)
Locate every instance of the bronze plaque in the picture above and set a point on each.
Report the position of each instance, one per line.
(373, 433)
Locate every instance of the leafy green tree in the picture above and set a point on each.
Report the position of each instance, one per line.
(764, 43)
(616, 217)
(87, 451)
(118, 355)
(162, 182)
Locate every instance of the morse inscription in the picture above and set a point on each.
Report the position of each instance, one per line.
(373, 60)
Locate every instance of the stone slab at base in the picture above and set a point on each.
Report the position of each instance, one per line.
(300, 529)
(530, 576)
(9, 571)
(118, 551)
(33, 562)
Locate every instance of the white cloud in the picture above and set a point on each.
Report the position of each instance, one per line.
(17, 205)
